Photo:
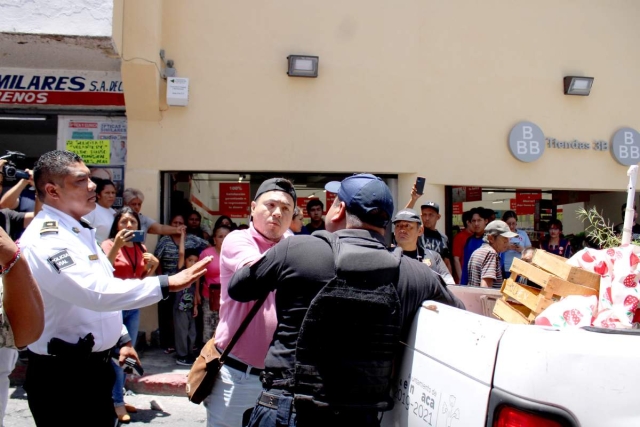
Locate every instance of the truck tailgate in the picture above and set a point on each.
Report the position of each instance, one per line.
(447, 369)
(592, 375)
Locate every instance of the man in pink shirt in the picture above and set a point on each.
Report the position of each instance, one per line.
(238, 384)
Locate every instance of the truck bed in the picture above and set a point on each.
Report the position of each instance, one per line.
(458, 366)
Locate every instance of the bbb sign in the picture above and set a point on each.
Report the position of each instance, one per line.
(626, 146)
(527, 144)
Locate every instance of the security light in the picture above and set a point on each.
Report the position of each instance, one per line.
(302, 66)
(574, 85)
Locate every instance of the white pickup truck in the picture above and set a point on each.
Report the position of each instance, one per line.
(465, 369)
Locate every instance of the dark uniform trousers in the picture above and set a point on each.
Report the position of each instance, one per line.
(70, 391)
(283, 414)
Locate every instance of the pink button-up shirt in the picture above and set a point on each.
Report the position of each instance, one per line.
(240, 248)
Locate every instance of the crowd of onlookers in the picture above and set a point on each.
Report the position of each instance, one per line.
(481, 254)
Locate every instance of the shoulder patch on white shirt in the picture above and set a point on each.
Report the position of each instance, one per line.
(61, 260)
(49, 227)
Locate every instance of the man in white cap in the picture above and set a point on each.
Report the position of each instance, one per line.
(407, 230)
(484, 264)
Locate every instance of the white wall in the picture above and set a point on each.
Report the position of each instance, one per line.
(63, 17)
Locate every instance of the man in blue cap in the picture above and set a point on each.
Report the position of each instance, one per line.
(344, 302)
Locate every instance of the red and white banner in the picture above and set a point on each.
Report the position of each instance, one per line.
(474, 194)
(330, 197)
(466, 194)
(60, 87)
(526, 201)
(457, 209)
(235, 199)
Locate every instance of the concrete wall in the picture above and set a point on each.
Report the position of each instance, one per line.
(414, 88)
(60, 17)
(446, 80)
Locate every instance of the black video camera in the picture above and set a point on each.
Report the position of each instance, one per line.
(10, 170)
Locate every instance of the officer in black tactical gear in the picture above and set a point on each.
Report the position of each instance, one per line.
(344, 301)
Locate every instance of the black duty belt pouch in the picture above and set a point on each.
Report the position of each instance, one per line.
(81, 349)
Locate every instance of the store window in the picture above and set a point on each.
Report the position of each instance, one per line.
(535, 208)
(216, 194)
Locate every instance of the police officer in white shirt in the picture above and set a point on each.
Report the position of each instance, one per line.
(82, 299)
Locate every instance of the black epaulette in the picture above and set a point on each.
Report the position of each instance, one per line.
(49, 227)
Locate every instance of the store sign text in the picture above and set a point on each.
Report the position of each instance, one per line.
(597, 145)
(527, 143)
(59, 87)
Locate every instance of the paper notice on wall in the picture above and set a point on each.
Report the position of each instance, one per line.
(112, 129)
(92, 151)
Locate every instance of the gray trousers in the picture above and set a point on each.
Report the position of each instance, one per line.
(184, 325)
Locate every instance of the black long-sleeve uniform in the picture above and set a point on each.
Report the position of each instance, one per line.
(298, 267)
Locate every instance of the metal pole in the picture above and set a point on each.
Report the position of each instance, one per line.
(632, 173)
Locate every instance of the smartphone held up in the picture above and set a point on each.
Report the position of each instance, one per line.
(420, 185)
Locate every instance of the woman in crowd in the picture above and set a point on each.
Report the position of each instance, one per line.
(225, 220)
(516, 245)
(130, 261)
(211, 287)
(296, 223)
(101, 218)
(167, 251)
(134, 198)
(194, 225)
(556, 243)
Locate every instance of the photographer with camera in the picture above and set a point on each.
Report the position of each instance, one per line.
(21, 197)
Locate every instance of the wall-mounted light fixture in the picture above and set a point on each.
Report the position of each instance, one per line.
(574, 85)
(241, 178)
(303, 66)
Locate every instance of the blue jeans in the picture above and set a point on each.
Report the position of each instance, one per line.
(131, 319)
(284, 416)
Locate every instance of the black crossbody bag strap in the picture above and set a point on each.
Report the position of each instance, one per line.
(245, 323)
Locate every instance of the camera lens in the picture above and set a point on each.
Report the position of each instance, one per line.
(9, 171)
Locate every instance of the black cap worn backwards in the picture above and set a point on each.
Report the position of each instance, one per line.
(277, 184)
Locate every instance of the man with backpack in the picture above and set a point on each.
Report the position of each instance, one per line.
(344, 301)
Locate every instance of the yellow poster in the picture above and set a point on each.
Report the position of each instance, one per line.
(92, 151)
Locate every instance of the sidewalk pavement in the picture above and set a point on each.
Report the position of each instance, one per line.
(162, 377)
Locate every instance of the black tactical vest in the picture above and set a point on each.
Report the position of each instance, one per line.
(351, 332)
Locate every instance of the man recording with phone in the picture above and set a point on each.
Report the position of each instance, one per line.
(431, 238)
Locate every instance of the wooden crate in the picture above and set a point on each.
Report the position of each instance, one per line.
(558, 266)
(511, 312)
(553, 275)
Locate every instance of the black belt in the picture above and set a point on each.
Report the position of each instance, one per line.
(240, 366)
(270, 400)
(100, 356)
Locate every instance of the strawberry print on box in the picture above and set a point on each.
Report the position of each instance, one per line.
(619, 291)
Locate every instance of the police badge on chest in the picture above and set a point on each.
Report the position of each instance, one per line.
(61, 260)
